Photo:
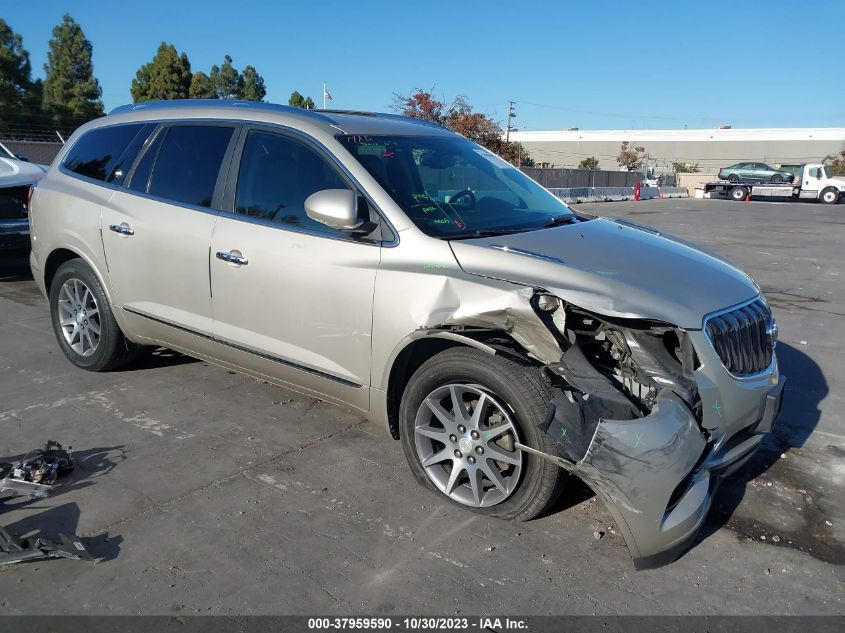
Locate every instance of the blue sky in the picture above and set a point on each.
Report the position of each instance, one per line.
(593, 65)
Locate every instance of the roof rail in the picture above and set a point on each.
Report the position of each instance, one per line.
(174, 104)
(314, 115)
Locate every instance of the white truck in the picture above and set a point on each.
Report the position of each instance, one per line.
(812, 182)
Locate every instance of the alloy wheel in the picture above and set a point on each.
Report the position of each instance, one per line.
(79, 317)
(465, 441)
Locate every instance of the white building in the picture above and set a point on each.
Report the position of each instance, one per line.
(711, 149)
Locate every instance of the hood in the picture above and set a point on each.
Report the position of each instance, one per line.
(14, 173)
(612, 268)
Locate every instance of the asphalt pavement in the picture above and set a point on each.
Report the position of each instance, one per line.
(206, 492)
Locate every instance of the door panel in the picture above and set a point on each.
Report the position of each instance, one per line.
(292, 298)
(160, 269)
(302, 302)
(156, 240)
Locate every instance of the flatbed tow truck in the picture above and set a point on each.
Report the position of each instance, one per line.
(812, 182)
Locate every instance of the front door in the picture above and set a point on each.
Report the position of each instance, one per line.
(292, 298)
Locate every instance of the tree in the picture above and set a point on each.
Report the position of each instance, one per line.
(590, 163)
(460, 117)
(201, 87)
(836, 163)
(252, 85)
(71, 92)
(167, 76)
(686, 168)
(227, 81)
(298, 101)
(19, 95)
(421, 105)
(631, 158)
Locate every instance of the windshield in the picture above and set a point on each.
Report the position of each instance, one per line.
(452, 188)
(825, 172)
(4, 153)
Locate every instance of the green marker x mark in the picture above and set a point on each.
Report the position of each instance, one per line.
(639, 437)
(563, 432)
(718, 409)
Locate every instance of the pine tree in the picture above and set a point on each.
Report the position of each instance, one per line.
(298, 101)
(252, 85)
(16, 86)
(71, 92)
(227, 82)
(167, 76)
(201, 87)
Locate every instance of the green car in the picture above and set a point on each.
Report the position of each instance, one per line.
(755, 171)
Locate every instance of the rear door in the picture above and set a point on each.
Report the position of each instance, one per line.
(292, 298)
(156, 232)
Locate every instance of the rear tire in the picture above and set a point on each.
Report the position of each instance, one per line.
(513, 394)
(829, 196)
(733, 178)
(776, 178)
(83, 321)
(738, 193)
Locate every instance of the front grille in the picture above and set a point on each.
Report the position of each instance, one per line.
(743, 338)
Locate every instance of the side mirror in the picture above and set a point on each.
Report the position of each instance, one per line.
(23, 158)
(337, 208)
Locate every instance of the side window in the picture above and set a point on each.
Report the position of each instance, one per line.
(124, 163)
(188, 163)
(96, 154)
(276, 175)
(141, 176)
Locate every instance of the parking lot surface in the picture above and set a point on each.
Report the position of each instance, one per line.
(206, 492)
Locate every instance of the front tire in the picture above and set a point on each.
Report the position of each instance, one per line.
(461, 414)
(829, 196)
(83, 321)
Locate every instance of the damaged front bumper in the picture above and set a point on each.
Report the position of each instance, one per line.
(658, 474)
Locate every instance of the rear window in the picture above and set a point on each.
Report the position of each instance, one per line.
(97, 153)
(188, 163)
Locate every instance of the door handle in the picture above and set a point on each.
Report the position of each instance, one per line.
(123, 228)
(232, 258)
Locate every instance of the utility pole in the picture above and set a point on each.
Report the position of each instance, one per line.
(511, 115)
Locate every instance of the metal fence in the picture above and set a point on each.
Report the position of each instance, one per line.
(41, 152)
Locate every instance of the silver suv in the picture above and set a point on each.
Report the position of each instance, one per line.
(388, 265)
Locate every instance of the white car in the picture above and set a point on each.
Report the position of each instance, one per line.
(16, 178)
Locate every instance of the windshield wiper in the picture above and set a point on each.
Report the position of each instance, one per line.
(561, 219)
(489, 233)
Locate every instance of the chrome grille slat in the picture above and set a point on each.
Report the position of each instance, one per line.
(741, 338)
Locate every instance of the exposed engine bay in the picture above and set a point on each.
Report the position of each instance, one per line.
(611, 370)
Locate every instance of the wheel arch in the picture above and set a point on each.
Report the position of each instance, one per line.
(63, 254)
(420, 346)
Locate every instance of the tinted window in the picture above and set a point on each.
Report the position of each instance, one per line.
(124, 163)
(277, 174)
(97, 152)
(188, 163)
(141, 175)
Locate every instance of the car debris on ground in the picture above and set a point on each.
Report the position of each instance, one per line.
(34, 476)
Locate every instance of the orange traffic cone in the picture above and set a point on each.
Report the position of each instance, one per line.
(748, 198)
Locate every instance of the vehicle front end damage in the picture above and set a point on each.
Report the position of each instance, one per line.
(651, 416)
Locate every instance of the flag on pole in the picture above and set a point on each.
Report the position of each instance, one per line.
(326, 94)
